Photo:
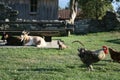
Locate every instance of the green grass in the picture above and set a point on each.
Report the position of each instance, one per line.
(53, 64)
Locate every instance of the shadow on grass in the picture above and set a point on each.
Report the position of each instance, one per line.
(98, 64)
(71, 67)
(116, 41)
(116, 70)
(42, 69)
(109, 60)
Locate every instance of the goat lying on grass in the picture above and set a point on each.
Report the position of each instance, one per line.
(11, 40)
(32, 40)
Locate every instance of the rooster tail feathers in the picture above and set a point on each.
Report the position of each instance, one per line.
(79, 42)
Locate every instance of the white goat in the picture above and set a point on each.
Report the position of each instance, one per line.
(32, 40)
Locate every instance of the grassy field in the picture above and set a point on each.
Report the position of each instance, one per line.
(53, 64)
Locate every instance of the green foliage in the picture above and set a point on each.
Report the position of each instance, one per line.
(52, 64)
(117, 0)
(95, 9)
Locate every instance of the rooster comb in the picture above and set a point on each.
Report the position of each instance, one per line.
(104, 46)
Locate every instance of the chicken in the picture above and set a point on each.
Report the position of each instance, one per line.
(61, 44)
(115, 55)
(89, 57)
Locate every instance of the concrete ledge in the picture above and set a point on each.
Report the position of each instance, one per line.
(52, 44)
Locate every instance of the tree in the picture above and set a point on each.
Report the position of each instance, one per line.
(95, 8)
(91, 8)
(73, 11)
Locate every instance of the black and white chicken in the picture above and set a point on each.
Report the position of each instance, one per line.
(89, 57)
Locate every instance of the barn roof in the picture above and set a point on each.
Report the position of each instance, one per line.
(65, 14)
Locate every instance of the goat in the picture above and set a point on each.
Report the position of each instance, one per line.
(11, 40)
(32, 40)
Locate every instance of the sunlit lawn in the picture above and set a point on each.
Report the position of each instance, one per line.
(54, 64)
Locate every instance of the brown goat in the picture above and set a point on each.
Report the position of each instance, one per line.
(10, 40)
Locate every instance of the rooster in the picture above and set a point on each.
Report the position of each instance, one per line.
(89, 57)
(115, 55)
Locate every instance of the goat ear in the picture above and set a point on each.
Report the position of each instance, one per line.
(23, 32)
(27, 32)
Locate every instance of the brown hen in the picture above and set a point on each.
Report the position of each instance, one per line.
(115, 55)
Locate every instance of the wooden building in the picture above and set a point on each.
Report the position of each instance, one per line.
(40, 17)
(35, 9)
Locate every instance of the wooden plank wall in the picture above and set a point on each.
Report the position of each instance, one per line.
(47, 9)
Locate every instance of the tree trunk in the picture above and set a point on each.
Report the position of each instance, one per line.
(73, 11)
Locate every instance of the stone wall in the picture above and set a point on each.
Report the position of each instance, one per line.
(109, 22)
